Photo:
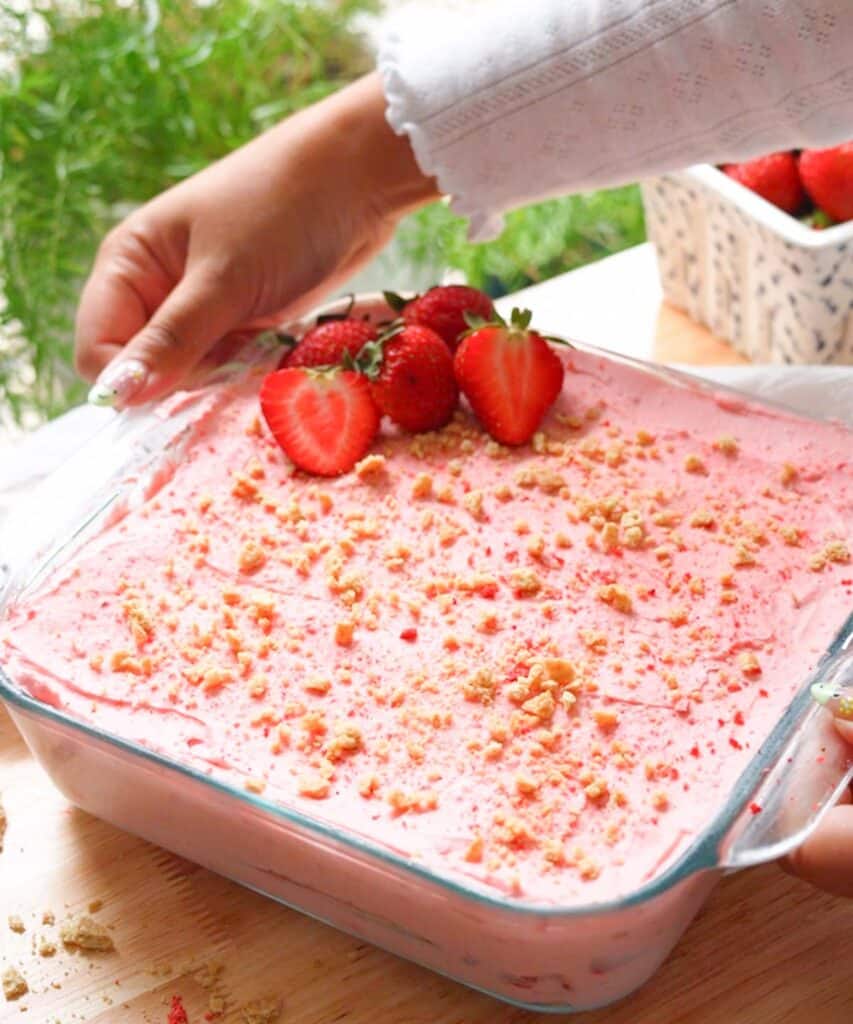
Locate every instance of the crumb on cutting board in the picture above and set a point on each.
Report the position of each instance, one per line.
(48, 917)
(46, 947)
(16, 924)
(95, 906)
(82, 932)
(261, 1011)
(14, 984)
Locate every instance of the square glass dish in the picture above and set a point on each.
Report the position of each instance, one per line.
(532, 953)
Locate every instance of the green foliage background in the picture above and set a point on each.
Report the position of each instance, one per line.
(105, 103)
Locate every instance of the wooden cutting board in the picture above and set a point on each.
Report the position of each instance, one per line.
(767, 949)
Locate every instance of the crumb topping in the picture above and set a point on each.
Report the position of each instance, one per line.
(530, 664)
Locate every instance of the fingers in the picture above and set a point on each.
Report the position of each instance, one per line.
(826, 858)
(195, 315)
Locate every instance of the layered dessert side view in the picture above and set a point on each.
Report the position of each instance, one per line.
(535, 670)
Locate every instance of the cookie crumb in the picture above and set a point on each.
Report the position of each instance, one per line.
(370, 468)
(693, 464)
(16, 924)
(46, 947)
(14, 984)
(616, 596)
(95, 906)
(727, 445)
(82, 932)
(261, 1011)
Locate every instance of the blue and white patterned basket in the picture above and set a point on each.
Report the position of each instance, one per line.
(779, 291)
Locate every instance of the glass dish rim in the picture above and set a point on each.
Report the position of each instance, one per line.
(701, 854)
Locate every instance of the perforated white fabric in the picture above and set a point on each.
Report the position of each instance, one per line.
(507, 102)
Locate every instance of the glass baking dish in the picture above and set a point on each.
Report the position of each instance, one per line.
(537, 957)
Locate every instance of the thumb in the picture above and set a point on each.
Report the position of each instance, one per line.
(189, 322)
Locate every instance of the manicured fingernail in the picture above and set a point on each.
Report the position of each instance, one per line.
(118, 382)
(834, 700)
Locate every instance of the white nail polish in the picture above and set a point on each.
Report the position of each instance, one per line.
(118, 382)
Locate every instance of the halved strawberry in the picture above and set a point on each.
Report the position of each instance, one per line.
(411, 374)
(324, 419)
(327, 342)
(510, 375)
(443, 309)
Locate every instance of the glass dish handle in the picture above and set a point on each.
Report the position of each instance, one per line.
(806, 780)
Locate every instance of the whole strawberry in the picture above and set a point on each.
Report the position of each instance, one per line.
(324, 419)
(443, 309)
(775, 178)
(828, 177)
(327, 342)
(411, 373)
(510, 375)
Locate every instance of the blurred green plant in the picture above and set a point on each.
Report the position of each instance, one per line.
(104, 103)
(537, 242)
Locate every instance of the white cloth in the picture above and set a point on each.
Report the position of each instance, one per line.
(508, 101)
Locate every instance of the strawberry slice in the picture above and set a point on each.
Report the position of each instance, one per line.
(325, 420)
(510, 376)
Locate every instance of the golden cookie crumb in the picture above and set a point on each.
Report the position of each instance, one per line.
(14, 984)
(644, 438)
(422, 487)
(344, 633)
(254, 785)
(371, 468)
(749, 664)
(525, 582)
(473, 502)
(526, 785)
(727, 444)
(251, 558)
(368, 785)
(479, 687)
(790, 535)
(48, 917)
(605, 718)
(474, 853)
(703, 518)
(836, 551)
(616, 596)
(46, 947)
(261, 1011)
(788, 474)
(16, 924)
(82, 932)
(313, 786)
(693, 464)
(742, 555)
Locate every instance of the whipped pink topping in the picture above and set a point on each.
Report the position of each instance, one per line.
(540, 670)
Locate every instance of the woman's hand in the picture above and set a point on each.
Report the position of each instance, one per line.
(826, 859)
(259, 236)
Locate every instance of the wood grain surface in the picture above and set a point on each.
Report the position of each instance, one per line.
(767, 949)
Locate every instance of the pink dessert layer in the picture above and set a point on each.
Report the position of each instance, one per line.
(537, 671)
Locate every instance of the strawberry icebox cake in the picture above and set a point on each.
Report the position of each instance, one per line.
(516, 612)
